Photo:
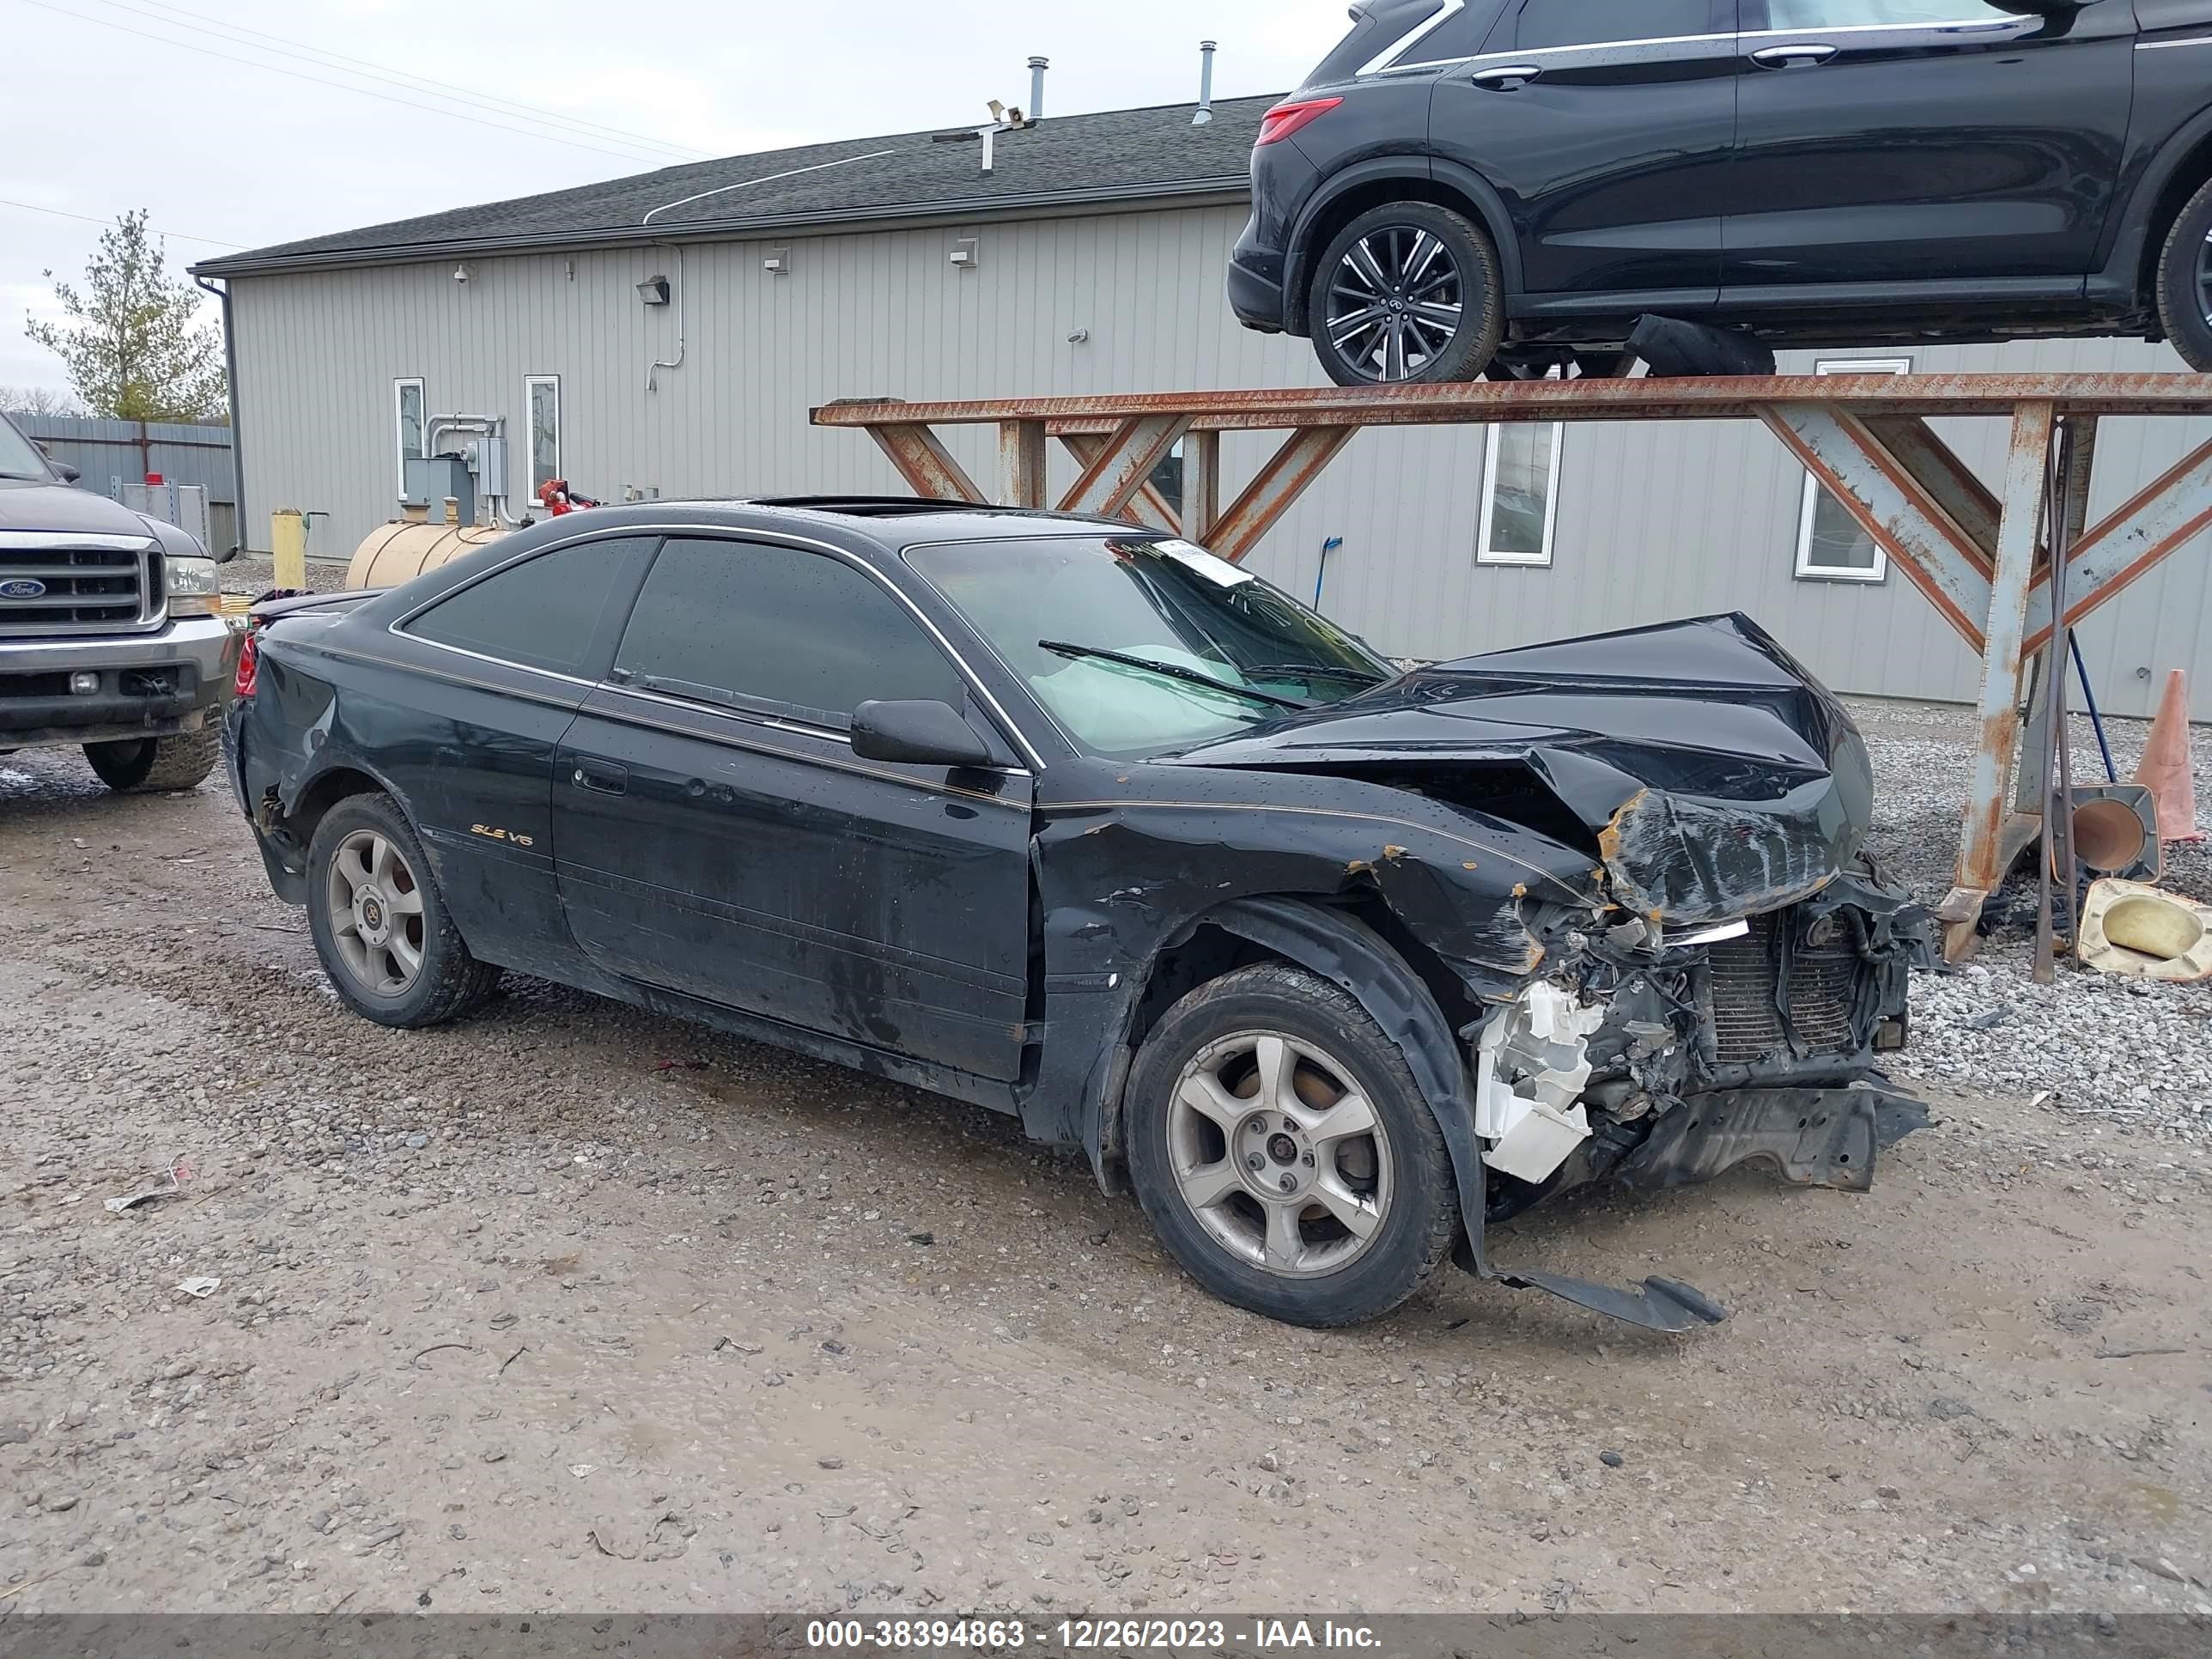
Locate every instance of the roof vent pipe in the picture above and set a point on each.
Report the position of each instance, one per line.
(1037, 67)
(1204, 85)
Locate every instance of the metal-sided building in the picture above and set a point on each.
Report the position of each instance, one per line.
(667, 334)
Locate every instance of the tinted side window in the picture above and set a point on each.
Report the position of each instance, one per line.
(1848, 14)
(759, 624)
(1589, 22)
(546, 612)
(1458, 36)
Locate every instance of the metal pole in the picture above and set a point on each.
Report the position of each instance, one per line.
(2089, 703)
(2060, 812)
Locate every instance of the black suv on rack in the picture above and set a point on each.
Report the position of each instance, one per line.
(1507, 185)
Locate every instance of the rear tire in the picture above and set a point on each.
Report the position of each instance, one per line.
(380, 924)
(1408, 293)
(153, 765)
(1283, 1152)
(2184, 281)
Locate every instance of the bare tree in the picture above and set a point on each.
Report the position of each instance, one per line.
(133, 341)
(37, 401)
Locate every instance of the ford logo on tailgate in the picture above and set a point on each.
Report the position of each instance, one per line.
(23, 587)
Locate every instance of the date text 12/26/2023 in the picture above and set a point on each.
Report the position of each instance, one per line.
(1085, 1635)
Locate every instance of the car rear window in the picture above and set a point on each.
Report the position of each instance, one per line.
(553, 612)
(750, 625)
(1595, 22)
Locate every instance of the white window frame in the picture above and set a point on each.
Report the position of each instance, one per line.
(530, 384)
(398, 424)
(1483, 553)
(1809, 504)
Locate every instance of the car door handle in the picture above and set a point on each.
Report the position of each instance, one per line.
(1803, 55)
(603, 775)
(1507, 77)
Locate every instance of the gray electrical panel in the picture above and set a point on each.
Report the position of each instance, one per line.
(431, 478)
(184, 506)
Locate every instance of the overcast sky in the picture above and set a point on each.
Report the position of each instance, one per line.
(240, 123)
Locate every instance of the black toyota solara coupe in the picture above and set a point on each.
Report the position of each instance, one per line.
(1509, 186)
(1330, 962)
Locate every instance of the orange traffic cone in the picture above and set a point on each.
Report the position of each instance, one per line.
(2165, 768)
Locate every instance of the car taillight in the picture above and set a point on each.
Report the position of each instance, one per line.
(1280, 122)
(249, 663)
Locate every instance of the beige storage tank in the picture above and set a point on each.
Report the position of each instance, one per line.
(403, 550)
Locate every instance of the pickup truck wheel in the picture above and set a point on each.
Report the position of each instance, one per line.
(2184, 281)
(380, 925)
(150, 765)
(1283, 1152)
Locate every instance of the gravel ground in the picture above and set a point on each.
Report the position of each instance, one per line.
(571, 1308)
(2124, 1050)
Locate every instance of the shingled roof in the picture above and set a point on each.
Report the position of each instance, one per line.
(1117, 155)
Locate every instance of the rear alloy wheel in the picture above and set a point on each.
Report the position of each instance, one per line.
(151, 765)
(1283, 1152)
(1406, 293)
(2184, 283)
(381, 929)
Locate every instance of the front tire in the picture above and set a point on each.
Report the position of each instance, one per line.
(2184, 281)
(381, 925)
(153, 765)
(1406, 293)
(1284, 1153)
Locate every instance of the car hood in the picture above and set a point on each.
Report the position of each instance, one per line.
(1710, 775)
(34, 504)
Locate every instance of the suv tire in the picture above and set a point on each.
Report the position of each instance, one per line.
(388, 943)
(152, 765)
(1383, 288)
(2184, 281)
(1264, 1110)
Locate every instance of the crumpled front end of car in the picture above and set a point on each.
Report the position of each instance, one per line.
(1658, 1057)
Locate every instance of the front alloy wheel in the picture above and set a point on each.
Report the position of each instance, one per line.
(1283, 1152)
(1279, 1156)
(2184, 281)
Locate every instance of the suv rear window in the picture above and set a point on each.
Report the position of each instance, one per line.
(1595, 22)
(1378, 26)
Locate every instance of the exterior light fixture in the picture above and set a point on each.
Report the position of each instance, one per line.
(653, 290)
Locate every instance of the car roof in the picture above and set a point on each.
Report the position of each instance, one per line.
(891, 521)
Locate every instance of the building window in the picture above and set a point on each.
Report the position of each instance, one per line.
(407, 418)
(541, 395)
(1519, 493)
(1832, 545)
(1167, 478)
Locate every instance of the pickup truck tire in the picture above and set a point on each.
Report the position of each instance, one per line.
(381, 925)
(152, 765)
(2184, 281)
(1284, 1154)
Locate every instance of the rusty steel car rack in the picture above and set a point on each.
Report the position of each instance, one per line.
(1977, 555)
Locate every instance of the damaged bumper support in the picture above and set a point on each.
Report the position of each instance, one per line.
(1631, 1063)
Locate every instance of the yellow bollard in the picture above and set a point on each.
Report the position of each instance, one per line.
(287, 538)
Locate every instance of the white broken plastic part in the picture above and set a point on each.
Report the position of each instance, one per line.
(1532, 1063)
(200, 1287)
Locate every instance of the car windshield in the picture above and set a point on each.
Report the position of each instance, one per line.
(1137, 645)
(18, 458)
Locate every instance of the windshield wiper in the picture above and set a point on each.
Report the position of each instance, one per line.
(1170, 671)
(1316, 670)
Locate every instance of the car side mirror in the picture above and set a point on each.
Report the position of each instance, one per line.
(69, 474)
(919, 733)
